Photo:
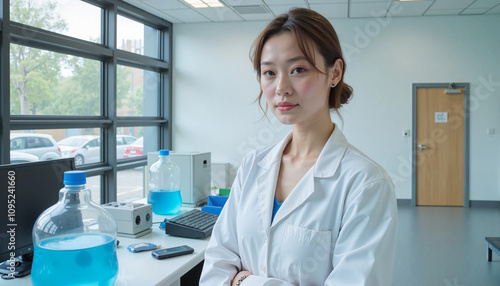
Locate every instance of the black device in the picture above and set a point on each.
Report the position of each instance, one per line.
(192, 224)
(26, 190)
(172, 252)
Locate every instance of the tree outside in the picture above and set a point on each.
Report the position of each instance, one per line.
(48, 83)
(33, 71)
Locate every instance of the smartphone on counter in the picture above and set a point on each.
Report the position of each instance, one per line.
(172, 252)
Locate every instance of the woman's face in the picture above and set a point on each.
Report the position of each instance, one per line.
(294, 90)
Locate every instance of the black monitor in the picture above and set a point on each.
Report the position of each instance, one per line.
(26, 190)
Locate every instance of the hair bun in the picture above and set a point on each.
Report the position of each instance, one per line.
(345, 93)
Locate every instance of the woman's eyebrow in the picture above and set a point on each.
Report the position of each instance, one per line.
(290, 60)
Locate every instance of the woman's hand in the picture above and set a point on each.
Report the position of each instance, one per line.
(237, 277)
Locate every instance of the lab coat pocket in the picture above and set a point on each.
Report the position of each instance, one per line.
(309, 254)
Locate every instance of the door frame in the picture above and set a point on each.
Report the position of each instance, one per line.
(466, 87)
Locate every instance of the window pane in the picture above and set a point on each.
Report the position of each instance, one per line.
(94, 184)
(130, 184)
(37, 145)
(62, 16)
(124, 142)
(27, 146)
(137, 92)
(137, 38)
(147, 141)
(48, 83)
(82, 144)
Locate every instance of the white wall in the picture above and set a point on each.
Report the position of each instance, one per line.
(215, 86)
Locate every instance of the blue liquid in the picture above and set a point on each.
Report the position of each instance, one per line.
(165, 201)
(86, 259)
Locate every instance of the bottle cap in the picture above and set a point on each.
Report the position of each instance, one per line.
(72, 178)
(164, 152)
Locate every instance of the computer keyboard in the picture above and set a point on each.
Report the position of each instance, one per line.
(192, 224)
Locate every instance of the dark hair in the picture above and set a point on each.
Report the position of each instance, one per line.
(307, 26)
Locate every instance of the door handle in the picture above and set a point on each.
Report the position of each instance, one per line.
(422, 147)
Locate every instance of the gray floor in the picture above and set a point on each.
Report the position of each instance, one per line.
(445, 246)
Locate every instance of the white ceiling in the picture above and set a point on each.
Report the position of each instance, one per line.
(177, 11)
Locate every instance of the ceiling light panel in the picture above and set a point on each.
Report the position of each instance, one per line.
(204, 3)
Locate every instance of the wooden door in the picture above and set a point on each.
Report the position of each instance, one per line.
(440, 147)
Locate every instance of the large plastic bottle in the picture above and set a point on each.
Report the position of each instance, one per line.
(164, 185)
(74, 240)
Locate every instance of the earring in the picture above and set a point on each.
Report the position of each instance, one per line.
(333, 84)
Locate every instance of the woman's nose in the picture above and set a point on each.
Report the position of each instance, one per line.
(284, 87)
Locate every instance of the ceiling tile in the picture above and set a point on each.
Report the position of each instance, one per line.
(495, 10)
(369, 1)
(451, 4)
(177, 11)
(443, 12)
(402, 9)
(327, 1)
(257, 17)
(136, 3)
(167, 17)
(368, 10)
(162, 4)
(285, 2)
(222, 14)
(145, 7)
(331, 10)
(485, 4)
(187, 15)
(474, 11)
(242, 2)
(280, 9)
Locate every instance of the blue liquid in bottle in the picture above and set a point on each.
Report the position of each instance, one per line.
(165, 202)
(83, 259)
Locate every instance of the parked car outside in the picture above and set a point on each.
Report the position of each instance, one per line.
(85, 149)
(122, 141)
(135, 149)
(21, 157)
(43, 146)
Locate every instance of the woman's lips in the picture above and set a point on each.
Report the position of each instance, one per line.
(285, 106)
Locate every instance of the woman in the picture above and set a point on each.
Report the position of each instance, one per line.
(311, 209)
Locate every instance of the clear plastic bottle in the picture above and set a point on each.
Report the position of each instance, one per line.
(74, 240)
(164, 185)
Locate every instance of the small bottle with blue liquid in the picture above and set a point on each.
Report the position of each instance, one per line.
(74, 240)
(164, 185)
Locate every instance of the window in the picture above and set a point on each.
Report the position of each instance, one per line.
(138, 92)
(131, 184)
(49, 83)
(46, 142)
(69, 17)
(137, 148)
(138, 38)
(72, 93)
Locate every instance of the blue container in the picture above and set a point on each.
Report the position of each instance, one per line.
(74, 240)
(215, 204)
(164, 185)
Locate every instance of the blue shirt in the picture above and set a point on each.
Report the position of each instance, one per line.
(276, 207)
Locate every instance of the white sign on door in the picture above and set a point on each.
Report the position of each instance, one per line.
(441, 117)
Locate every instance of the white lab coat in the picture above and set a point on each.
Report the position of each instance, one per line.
(336, 227)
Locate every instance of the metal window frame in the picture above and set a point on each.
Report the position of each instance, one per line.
(109, 56)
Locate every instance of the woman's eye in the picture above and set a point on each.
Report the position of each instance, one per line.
(268, 73)
(298, 70)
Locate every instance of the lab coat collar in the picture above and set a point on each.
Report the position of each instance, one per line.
(332, 154)
(267, 182)
(326, 166)
(327, 162)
